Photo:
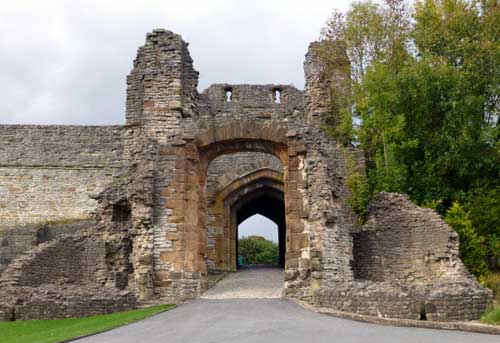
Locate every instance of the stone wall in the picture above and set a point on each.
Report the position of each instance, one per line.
(161, 95)
(70, 275)
(17, 240)
(405, 265)
(227, 168)
(49, 172)
(405, 243)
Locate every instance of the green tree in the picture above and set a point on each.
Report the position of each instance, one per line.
(471, 249)
(483, 203)
(257, 250)
(425, 84)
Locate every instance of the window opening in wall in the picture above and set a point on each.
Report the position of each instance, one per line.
(121, 212)
(229, 95)
(423, 314)
(277, 96)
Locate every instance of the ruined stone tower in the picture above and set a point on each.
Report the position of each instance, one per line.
(163, 197)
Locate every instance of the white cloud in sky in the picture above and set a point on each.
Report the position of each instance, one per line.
(258, 225)
(65, 62)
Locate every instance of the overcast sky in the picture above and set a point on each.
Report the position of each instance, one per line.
(65, 62)
(259, 225)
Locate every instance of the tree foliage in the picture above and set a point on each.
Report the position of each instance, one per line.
(472, 249)
(258, 250)
(425, 85)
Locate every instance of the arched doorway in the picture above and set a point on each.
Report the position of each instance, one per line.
(192, 216)
(268, 203)
(260, 191)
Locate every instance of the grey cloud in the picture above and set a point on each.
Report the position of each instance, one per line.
(65, 62)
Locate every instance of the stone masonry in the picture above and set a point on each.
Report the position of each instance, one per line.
(158, 202)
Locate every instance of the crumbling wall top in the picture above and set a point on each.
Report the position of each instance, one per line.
(243, 99)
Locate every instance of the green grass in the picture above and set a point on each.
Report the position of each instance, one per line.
(53, 331)
(491, 317)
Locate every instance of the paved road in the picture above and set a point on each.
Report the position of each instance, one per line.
(267, 320)
(220, 319)
(262, 283)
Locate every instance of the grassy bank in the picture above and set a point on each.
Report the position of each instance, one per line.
(492, 281)
(492, 316)
(53, 331)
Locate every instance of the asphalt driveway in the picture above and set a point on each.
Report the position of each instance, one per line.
(246, 307)
(268, 320)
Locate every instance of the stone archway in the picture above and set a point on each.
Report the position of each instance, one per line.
(223, 214)
(187, 201)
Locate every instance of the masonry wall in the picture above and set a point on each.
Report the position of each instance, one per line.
(66, 277)
(403, 242)
(15, 241)
(227, 168)
(405, 265)
(49, 172)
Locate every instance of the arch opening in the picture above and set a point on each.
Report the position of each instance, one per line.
(237, 187)
(206, 222)
(269, 204)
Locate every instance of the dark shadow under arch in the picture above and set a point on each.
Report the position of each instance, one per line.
(269, 203)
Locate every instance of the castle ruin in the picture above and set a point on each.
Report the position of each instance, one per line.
(95, 219)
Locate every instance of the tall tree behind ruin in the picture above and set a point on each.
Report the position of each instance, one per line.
(425, 86)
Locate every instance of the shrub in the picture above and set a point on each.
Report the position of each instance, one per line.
(472, 250)
(492, 281)
(258, 250)
(357, 182)
(491, 317)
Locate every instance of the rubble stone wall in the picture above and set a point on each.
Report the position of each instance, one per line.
(405, 265)
(18, 240)
(69, 275)
(48, 172)
(403, 242)
(65, 260)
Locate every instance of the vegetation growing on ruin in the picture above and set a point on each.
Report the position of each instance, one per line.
(425, 93)
(258, 250)
(491, 317)
(59, 221)
(52, 331)
(492, 281)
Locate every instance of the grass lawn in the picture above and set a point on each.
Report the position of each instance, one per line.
(492, 281)
(492, 316)
(52, 331)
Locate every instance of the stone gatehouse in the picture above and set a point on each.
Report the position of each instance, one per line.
(100, 218)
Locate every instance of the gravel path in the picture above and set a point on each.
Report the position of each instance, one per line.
(264, 282)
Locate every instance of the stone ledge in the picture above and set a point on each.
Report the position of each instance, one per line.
(458, 326)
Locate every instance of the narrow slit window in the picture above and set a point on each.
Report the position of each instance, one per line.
(423, 313)
(229, 95)
(277, 96)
